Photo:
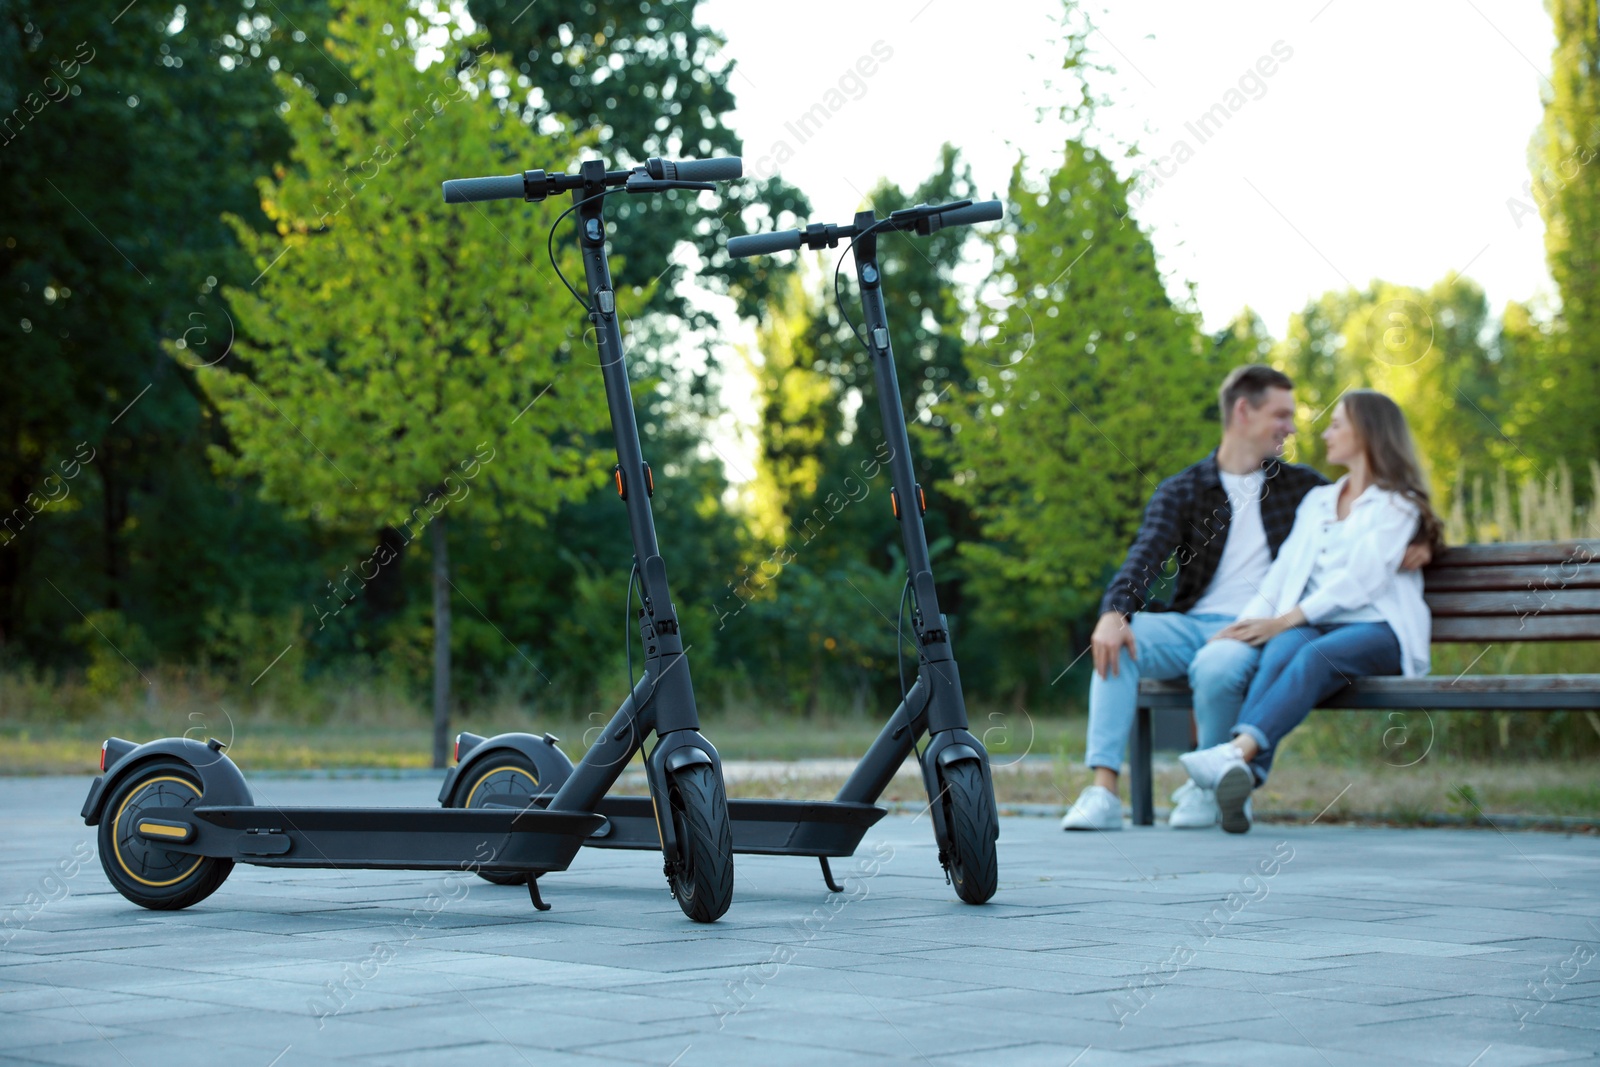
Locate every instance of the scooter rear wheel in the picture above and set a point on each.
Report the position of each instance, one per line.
(504, 776)
(703, 881)
(140, 869)
(969, 813)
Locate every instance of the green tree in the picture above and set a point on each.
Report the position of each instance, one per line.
(1525, 343)
(650, 81)
(1426, 349)
(1311, 354)
(397, 367)
(929, 312)
(115, 171)
(1102, 387)
(820, 415)
(180, 104)
(801, 416)
(1555, 407)
(1244, 340)
(823, 451)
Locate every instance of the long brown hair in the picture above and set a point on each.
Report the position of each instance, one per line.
(1392, 455)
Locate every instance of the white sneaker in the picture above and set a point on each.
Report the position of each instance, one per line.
(1097, 808)
(1207, 766)
(1193, 808)
(1233, 798)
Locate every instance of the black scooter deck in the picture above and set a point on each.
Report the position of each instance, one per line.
(820, 828)
(405, 839)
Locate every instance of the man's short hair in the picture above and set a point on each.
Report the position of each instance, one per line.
(1250, 381)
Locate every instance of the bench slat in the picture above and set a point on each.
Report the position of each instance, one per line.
(1527, 692)
(1577, 552)
(1545, 627)
(1524, 603)
(1519, 577)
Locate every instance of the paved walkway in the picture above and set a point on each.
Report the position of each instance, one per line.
(1311, 945)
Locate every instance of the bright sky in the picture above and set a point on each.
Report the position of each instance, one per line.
(1385, 145)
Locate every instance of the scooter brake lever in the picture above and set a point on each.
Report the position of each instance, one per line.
(643, 183)
(923, 210)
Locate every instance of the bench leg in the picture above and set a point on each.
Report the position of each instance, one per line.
(1140, 786)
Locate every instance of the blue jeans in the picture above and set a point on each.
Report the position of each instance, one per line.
(1304, 666)
(1170, 645)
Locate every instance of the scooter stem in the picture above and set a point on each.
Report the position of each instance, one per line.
(946, 709)
(663, 700)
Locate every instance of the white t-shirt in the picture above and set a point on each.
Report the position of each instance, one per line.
(1245, 556)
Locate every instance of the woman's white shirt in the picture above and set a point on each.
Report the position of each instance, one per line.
(1359, 569)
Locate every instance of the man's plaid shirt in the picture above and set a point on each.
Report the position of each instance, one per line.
(1186, 522)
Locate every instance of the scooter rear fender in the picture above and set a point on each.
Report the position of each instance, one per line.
(221, 782)
(549, 762)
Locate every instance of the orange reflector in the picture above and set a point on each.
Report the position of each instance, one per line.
(621, 491)
(894, 502)
(649, 481)
(922, 499)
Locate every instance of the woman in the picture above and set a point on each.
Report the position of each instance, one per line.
(1335, 605)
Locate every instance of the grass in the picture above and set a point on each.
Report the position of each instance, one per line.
(1537, 509)
(1298, 790)
(260, 741)
(1341, 765)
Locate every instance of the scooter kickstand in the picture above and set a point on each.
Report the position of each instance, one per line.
(827, 876)
(533, 892)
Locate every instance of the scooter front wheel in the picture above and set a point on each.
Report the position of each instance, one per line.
(702, 881)
(970, 816)
(504, 776)
(140, 869)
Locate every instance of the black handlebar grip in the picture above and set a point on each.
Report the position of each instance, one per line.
(720, 169)
(760, 244)
(467, 190)
(986, 211)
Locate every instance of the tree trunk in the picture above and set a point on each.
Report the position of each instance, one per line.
(441, 642)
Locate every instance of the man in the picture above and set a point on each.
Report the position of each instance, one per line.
(1220, 522)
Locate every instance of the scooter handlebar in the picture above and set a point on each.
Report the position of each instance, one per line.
(985, 211)
(468, 190)
(760, 244)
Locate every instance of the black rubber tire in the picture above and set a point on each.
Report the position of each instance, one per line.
(501, 775)
(703, 882)
(970, 814)
(141, 870)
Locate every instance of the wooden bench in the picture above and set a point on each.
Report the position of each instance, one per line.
(1539, 591)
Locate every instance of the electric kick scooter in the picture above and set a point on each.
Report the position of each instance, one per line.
(686, 815)
(955, 766)
(175, 814)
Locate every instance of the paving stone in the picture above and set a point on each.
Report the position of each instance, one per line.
(1449, 1044)
(1283, 1054)
(140, 1049)
(24, 1032)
